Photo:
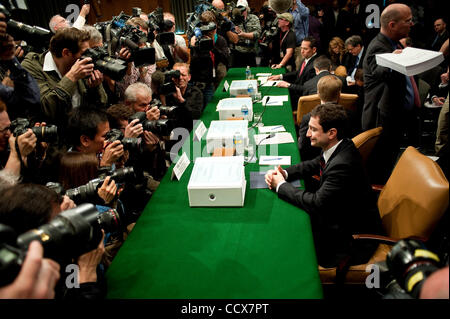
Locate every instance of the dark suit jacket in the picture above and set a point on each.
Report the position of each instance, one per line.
(342, 205)
(310, 86)
(436, 46)
(351, 62)
(385, 89)
(297, 81)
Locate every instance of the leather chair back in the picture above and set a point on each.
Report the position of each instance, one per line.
(348, 101)
(414, 198)
(306, 104)
(365, 142)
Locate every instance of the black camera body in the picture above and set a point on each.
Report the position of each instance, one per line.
(168, 87)
(161, 127)
(203, 43)
(88, 192)
(70, 234)
(131, 144)
(114, 68)
(43, 133)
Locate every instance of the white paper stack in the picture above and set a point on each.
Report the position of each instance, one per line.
(411, 61)
(217, 181)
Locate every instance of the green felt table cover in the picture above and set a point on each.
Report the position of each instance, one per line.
(262, 250)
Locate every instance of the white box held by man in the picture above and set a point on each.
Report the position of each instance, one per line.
(218, 182)
(221, 133)
(232, 108)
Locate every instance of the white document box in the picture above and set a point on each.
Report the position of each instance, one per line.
(231, 108)
(217, 181)
(239, 87)
(220, 134)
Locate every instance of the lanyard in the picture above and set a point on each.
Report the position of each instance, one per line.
(281, 41)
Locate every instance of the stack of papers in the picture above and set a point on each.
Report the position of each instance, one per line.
(411, 61)
(271, 83)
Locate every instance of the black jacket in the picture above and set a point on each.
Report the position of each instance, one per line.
(342, 205)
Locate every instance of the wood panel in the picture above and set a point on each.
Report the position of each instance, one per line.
(110, 8)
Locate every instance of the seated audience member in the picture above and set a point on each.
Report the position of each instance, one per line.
(283, 50)
(343, 204)
(329, 89)
(37, 277)
(209, 67)
(337, 53)
(28, 206)
(18, 89)
(58, 22)
(87, 129)
(294, 80)
(187, 96)
(61, 76)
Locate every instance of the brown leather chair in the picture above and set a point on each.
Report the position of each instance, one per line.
(365, 142)
(410, 205)
(306, 104)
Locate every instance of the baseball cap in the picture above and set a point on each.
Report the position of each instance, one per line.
(242, 3)
(286, 16)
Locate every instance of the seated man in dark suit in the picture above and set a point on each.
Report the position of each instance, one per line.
(344, 203)
(322, 67)
(294, 80)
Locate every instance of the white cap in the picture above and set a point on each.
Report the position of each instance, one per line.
(242, 3)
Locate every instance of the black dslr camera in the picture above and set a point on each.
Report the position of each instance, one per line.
(130, 36)
(43, 133)
(171, 112)
(88, 192)
(157, 23)
(114, 68)
(169, 86)
(70, 234)
(161, 127)
(131, 144)
(37, 38)
(270, 29)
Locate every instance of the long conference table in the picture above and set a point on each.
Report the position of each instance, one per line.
(263, 250)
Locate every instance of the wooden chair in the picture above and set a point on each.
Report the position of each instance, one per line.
(411, 204)
(306, 104)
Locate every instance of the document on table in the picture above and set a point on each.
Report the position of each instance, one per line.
(271, 129)
(278, 138)
(274, 160)
(274, 99)
(263, 74)
(271, 83)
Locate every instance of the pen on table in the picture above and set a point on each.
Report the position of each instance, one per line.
(273, 159)
(275, 127)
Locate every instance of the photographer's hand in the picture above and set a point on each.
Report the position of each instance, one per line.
(67, 203)
(108, 190)
(153, 114)
(112, 153)
(133, 129)
(27, 143)
(178, 95)
(2, 25)
(41, 148)
(88, 263)
(150, 141)
(85, 10)
(96, 79)
(36, 279)
(80, 69)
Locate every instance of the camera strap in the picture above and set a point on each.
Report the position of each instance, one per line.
(22, 164)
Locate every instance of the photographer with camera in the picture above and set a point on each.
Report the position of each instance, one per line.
(58, 22)
(226, 27)
(248, 29)
(87, 130)
(187, 97)
(21, 152)
(209, 56)
(25, 207)
(178, 50)
(18, 89)
(66, 80)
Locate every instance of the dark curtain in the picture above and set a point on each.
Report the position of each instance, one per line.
(40, 11)
(180, 8)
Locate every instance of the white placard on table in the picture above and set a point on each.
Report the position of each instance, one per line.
(200, 131)
(180, 167)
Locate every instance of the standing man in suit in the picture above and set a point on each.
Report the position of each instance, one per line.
(295, 79)
(390, 97)
(440, 27)
(343, 204)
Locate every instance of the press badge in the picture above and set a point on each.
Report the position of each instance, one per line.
(281, 54)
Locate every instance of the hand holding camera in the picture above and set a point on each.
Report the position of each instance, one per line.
(108, 190)
(153, 114)
(134, 129)
(112, 153)
(81, 69)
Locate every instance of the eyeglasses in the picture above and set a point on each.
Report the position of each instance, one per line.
(3, 131)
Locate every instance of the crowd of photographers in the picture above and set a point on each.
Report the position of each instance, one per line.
(86, 124)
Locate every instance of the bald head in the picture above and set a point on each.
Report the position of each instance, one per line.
(218, 4)
(396, 21)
